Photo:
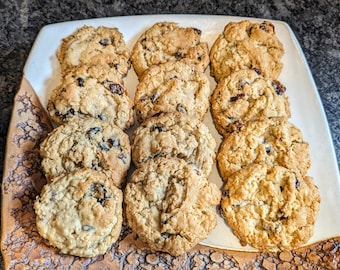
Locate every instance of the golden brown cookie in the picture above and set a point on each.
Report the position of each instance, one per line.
(167, 41)
(247, 44)
(271, 142)
(172, 87)
(270, 207)
(80, 213)
(92, 46)
(175, 135)
(91, 91)
(169, 206)
(86, 143)
(245, 95)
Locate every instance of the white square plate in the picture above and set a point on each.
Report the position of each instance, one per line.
(43, 73)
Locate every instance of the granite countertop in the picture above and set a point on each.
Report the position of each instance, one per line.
(316, 25)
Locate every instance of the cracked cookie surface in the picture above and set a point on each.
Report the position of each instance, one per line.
(86, 143)
(80, 213)
(270, 207)
(169, 206)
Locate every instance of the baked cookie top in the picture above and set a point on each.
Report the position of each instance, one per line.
(91, 91)
(167, 41)
(172, 87)
(271, 142)
(245, 95)
(270, 208)
(92, 46)
(80, 213)
(175, 135)
(86, 143)
(247, 44)
(169, 206)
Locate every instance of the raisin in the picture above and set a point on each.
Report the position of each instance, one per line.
(114, 65)
(268, 149)
(103, 146)
(153, 97)
(80, 82)
(235, 98)
(69, 113)
(279, 88)
(225, 193)
(179, 55)
(198, 31)
(92, 131)
(122, 157)
(180, 108)
(297, 183)
(114, 142)
(257, 70)
(157, 128)
(165, 235)
(264, 26)
(116, 88)
(104, 42)
(235, 126)
(281, 188)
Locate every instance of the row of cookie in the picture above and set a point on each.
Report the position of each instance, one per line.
(262, 158)
(170, 204)
(86, 157)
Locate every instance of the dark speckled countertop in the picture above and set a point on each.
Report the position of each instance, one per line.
(316, 25)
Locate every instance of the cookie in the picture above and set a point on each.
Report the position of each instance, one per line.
(169, 206)
(270, 208)
(245, 95)
(80, 213)
(92, 46)
(175, 135)
(86, 143)
(247, 44)
(167, 41)
(172, 87)
(91, 91)
(271, 142)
